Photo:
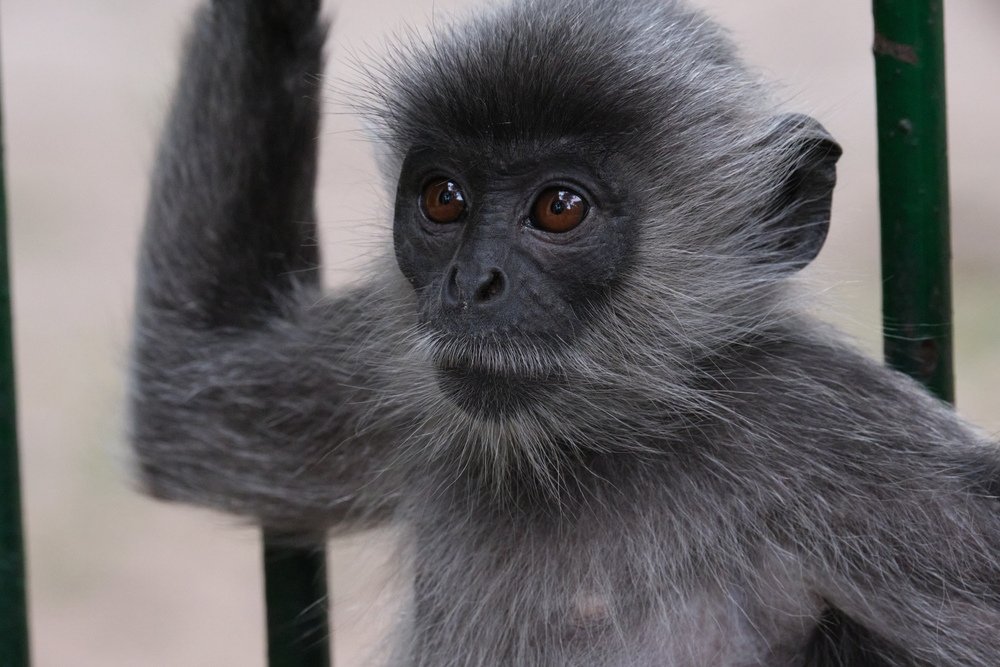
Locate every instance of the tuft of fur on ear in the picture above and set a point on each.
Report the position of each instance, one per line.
(797, 217)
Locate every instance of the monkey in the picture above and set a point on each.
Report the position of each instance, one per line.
(581, 380)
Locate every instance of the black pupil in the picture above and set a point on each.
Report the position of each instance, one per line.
(558, 206)
(445, 197)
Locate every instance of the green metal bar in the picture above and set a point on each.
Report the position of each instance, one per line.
(13, 599)
(913, 193)
(298, 628)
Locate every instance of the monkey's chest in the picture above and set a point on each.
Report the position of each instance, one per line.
(601, 615)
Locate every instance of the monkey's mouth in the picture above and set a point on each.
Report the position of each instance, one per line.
(488, 393)
(492, 376)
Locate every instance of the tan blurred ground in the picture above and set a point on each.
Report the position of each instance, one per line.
(117, 580)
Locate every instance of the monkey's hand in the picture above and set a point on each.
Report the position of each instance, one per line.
(241, 391)
(297, 13)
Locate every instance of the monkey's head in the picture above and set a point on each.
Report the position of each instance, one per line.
(590, 189)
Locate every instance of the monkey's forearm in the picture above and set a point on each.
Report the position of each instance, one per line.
(230, 226)
(276, 423)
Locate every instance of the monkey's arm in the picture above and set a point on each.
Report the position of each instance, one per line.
(282, 422)
(887, 497)
(900, 518)
(246, 391)
(922, 573)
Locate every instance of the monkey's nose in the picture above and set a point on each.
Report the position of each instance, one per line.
(466, 288)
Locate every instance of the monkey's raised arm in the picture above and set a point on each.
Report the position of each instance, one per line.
(230, 229)
(246, 394)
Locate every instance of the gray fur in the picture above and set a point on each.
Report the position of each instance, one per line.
(715, 479)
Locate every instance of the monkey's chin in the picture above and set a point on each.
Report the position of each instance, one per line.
(488, 394)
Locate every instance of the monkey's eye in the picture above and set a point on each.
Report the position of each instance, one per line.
(558, 210)
(443, 201)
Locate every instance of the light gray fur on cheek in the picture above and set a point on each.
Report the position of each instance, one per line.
(716, 479)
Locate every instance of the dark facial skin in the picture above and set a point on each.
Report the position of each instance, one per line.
(495, 275)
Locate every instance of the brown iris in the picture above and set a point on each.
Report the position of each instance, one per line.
(443, 201)
(558, 210)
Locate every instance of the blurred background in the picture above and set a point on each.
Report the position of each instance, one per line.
(117, 580)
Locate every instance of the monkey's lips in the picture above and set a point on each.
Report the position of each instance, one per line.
(489, 393)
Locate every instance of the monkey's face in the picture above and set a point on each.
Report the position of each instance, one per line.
(572, 197)
(508, 256)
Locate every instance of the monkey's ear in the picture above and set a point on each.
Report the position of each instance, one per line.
(798, 217)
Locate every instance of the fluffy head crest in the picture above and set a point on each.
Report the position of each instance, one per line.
(552, 68)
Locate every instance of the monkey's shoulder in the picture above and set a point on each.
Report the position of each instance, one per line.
(811, 398)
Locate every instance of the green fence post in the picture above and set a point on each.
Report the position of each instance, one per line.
(298, 628)
(13, 602)
(913, 190)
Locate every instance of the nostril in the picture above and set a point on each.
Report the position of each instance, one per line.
(491, 287)
(451, 287)
(463, 288)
